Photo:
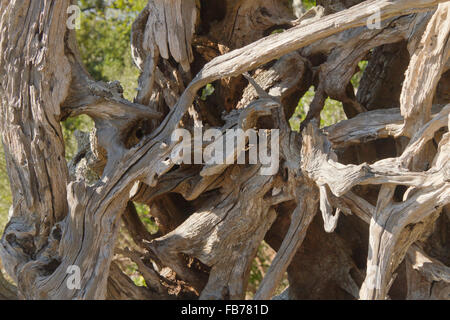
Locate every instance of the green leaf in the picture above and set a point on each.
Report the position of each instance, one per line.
(207, 91)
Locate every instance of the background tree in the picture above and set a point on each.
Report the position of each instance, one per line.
(384, 167)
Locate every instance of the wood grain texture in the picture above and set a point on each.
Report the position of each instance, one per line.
(213, 218)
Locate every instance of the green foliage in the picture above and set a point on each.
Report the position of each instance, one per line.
(104, 40)
(5, 192)
(261, 265)
(356, 79)
(308, 4)
(259, 268)
(278, 31)
(144, 213)
(332, 112)
(207, 91)
(81, 123)
(302, 107)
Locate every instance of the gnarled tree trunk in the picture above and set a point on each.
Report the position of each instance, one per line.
(357, 210)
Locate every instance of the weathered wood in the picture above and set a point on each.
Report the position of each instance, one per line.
(7, 290)
(212, 218)
(301, 218)
(427, 65)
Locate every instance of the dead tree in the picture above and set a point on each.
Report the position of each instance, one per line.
(357, 210)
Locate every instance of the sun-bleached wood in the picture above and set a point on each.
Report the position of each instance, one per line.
(214, 217)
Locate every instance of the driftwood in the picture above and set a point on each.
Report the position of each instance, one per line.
(353, 211)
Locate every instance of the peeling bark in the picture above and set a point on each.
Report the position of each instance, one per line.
(351, 206)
